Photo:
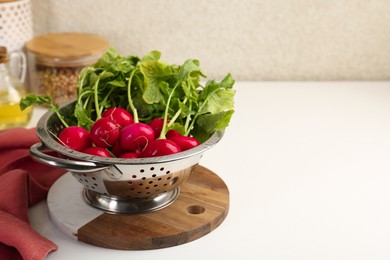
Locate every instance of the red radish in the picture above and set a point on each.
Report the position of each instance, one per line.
(129, 155)
(171, 133)
(157, 125)
(119, 115)
(98, 151)
(116, 149)
(160, 147)
(135, 137)
(75, 137)
(185, 142)
(104, 132)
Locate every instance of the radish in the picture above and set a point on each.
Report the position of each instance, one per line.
(160, 147)
(157, 125)
(116, 149)
(129, 155)
(135, 137)
(98, 151)
(75, 137)
(104, 132)
(171, 133)
(119, 115)
(185, 142)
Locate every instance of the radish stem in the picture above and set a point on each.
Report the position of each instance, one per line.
(96, 97)
(164, 129)
(135, 113)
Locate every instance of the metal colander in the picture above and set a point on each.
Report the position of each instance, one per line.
(114, 184)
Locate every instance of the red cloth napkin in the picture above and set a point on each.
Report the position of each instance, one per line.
(23, 183)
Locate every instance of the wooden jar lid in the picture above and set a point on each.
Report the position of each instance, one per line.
(66, 45)
(67, 49)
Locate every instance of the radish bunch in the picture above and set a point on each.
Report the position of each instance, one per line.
(116, 134)
(142, 107)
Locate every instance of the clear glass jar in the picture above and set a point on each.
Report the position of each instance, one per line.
(11, 91)
(55, 62)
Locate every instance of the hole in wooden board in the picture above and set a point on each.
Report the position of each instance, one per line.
(195, 209)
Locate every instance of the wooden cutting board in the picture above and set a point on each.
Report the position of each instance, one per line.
(202, 205)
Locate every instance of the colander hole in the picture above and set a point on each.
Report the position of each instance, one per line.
(146, 188)
(150, 182)
(134, 176)
(155, 185)
(152, 168)
(168, 178)
(85, 180)
(95, 184)
(142, 170)
(93, 178)
(168, 172)
(84, 174)
(154, 175)
(143, 178)
(162, 168)
(159, 179)
(141, 184)
(130, 182)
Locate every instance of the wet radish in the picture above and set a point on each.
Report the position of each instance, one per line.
(129, 155)
(75, 137)
(119, 115)
(116, 149)
(135, 137)
(98, 151)
(171, 133)
(157, 125)
(104, 132)
(160, 147)
(185, 142)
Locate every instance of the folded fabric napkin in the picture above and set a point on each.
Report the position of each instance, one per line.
(23, 183)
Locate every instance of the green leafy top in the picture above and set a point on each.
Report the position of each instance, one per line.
(151, 88)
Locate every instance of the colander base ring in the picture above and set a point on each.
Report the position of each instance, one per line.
(113, 204)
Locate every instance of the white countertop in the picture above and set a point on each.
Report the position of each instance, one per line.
(308, 170)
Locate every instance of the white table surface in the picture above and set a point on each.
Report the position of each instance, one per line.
(308, 169)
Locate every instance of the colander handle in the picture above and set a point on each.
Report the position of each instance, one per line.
(37, 152)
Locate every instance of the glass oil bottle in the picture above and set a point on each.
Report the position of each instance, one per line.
(11, 91)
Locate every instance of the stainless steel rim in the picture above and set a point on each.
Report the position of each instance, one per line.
(113, 204)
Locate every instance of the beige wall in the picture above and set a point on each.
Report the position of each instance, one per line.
(254, 40)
